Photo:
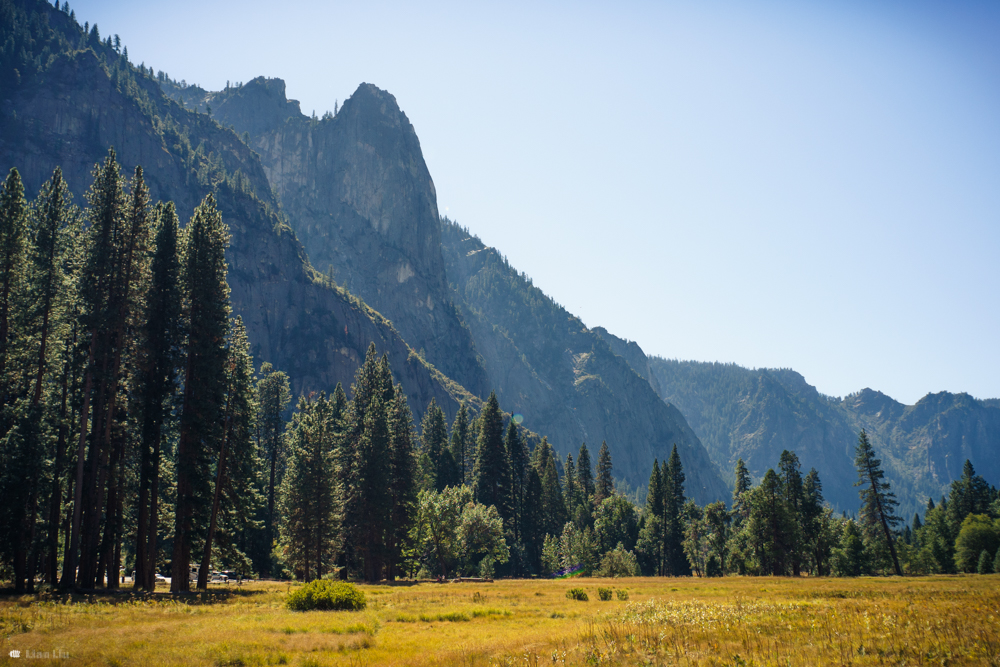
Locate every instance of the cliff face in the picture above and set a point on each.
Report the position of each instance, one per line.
(84, 102)
(358, 194)
(563, 377)
(633, 355)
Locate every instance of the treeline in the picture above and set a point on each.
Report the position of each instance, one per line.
(131, 425)
(137, 436)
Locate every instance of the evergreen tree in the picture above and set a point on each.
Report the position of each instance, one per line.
(533, 520)
(48, 301)
(112, 283)
(491, 476)
(273, 396)
(651, 541)
(769, 525)
(461, 446)
(740, 508)
(673, 519)
(158, 357)
(310, 490)
(237, 443)
(553, 508)
(969, 494)
(437, 467)
(585, 475)
(878, 503)
(811, 523)
(604, 487)
(13, 226)
(791, 482)
(369, 490)
(201, 424)
(404, 485)
(518, 462)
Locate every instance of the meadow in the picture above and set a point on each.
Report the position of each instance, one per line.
(939, 620)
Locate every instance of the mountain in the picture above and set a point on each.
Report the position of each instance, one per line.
(66, 97)
(359, 196)
(563, 377)
(355, 188)
(755, 414)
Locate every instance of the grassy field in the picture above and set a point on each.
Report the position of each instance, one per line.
(732, 621)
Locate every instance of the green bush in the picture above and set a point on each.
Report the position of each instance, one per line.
(985, 563)
(577, 594)
(325, 594)
(604, 594)
(622, 594)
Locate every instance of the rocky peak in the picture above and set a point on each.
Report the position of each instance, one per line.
(257, 106)
(358, 194)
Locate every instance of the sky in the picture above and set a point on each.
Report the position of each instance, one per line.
(806, 185)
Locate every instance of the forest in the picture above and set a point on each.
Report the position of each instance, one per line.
(138, 435)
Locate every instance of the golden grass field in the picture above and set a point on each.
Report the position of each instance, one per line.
(943, 620)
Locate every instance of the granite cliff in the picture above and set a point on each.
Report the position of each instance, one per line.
(358, 194)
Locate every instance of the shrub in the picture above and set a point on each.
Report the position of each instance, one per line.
(325, 594)
(713, 568)
(604, 594)
(985, 563)
(577, 594)
(618, 562)
(622, 594)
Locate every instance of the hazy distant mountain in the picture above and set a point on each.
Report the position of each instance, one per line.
(564, 378)
(755, 414)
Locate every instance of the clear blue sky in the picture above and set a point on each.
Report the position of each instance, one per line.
(813, 185)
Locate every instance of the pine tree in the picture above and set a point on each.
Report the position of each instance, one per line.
(403, 484)
(552, 507)
(436, 470)
(112, 284)
(673, 517)
(158, 357)
(49, 296)
(518, 461)
(791, 482)
(201, 424)
(740, 508)
(13, 226)
(236, 446)
(812, 523)
(651, 541)
(369, 490)
(769, 524)
(273, 396)
(491, 477)
(605, 485)
(461, 447)
(878, 503)
(310, 490)
(585, 473)
(970, 494)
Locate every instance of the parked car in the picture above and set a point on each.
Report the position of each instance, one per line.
(160, 579)
(219, 578)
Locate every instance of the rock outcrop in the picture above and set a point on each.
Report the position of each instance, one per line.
(358, 194)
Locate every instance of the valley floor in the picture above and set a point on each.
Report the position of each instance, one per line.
(952, 620)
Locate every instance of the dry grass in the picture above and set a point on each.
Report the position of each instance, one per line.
(731, 621)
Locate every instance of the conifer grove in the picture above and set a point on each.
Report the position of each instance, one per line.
(139, 438)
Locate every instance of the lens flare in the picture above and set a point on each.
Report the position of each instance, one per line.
(518, 418)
